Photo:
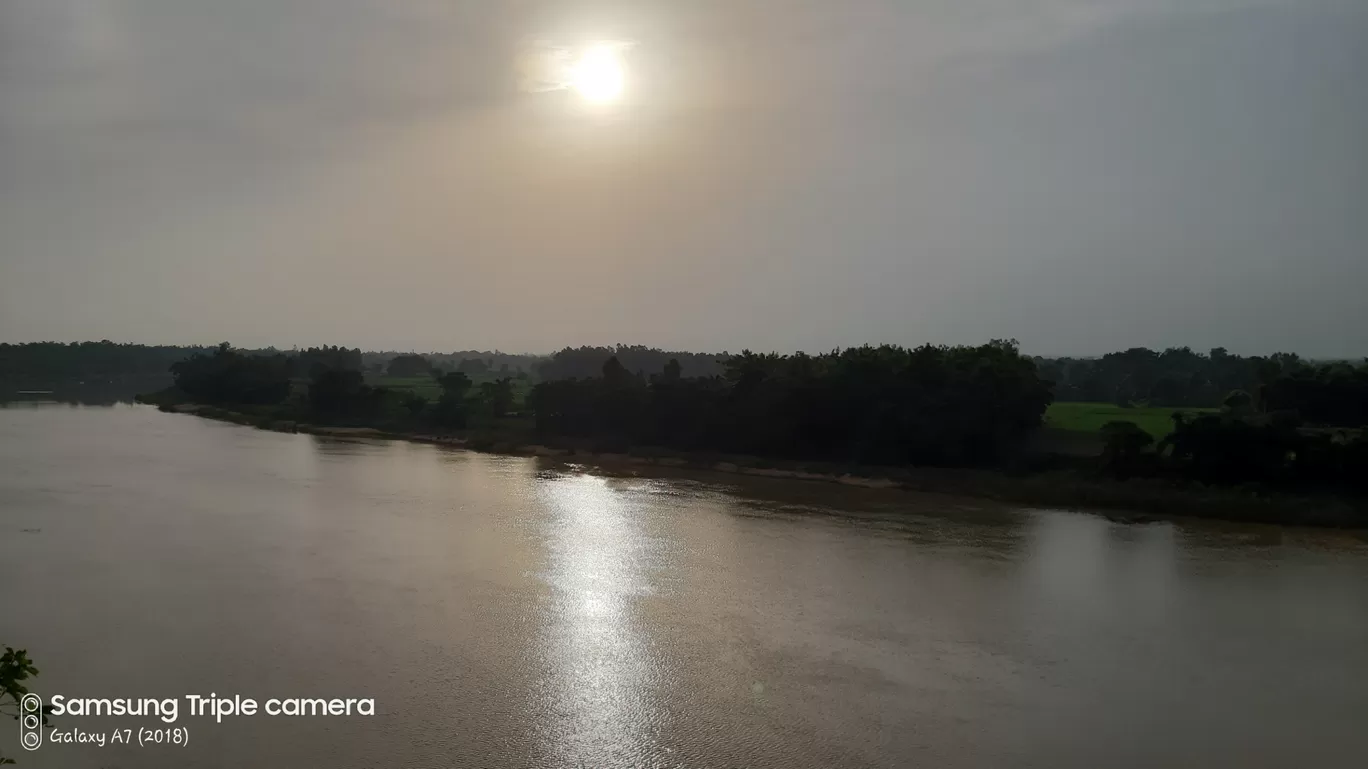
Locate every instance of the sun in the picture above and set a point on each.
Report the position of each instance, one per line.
(599, 75)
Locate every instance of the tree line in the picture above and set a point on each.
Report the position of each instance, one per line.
(586, 362)
(1231, 449)
(930, 405)
(409, 365)
(55, 362)
(1177, 376)
(1284, 422)
(884, 405)
(327, 384)
(469, 362)
(227, 375)
(1322, 393)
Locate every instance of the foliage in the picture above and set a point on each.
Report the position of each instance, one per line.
(587, 362)
(1123, 447)
(409, 366)
(52, 362)
(451, 409)
(673, 372)
(1217, 449)
(15, 668)
(314, 359)
(1325, 393)
(1330, 394)
(455, 384)
(497, 396)
(414, 404)
(1177, 376)
(344, 393)
(930, 405)
(473, 366)
(1270, 453)
(229, 376)
(1238, 403)
(506, 364)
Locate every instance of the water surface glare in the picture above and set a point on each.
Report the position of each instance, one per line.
(513, 612)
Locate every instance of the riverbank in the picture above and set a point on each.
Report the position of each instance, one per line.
(1138, 500)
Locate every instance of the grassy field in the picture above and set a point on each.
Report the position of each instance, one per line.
(1089, 417)
(425, 386)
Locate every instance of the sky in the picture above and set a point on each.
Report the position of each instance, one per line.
(1080, 175)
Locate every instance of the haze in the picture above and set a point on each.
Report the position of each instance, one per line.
(1083, 176)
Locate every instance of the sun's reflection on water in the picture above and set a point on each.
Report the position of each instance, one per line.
(599, 687)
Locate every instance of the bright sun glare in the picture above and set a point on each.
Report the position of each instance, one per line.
(598, 75)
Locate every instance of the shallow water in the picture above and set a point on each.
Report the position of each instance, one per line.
(516, 612)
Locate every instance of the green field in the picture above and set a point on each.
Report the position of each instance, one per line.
(1089, 417)
(427, 386)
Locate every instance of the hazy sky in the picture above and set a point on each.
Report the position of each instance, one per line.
(1082, 175)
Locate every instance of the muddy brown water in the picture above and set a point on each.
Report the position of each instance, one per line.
(518, 612)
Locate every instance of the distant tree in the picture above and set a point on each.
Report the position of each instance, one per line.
(42, 364)
(230, 376)
(673, 371)
(451, 409)
(454, 383)
(587, 362)
(1220, 449)
(1123, 444)
(931, 405)
(414, 403)
(407, 366)
(343, 393)
(1238, 402)
(315, 359)
(1177, 376)
(614, 372)
(1169, 391)
(497, 396)
(473, 366)
(1331, 394)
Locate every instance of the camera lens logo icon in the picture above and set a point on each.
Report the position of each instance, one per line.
(31, 721)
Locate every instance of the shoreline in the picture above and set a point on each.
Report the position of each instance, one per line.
(1133, 501)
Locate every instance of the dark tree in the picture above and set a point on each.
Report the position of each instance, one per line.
(497, 396)
(407, 366)
(1124, 446)
(935, 405)
(454, 384)
(38, 364)
(451, 409)
(1237, 402)
(673, 371)
(229, 376)
(343, 393)
(414, 404)
(587, 362)
(474, 366)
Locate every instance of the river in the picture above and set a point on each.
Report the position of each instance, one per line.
(517, 612)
